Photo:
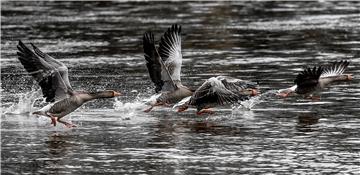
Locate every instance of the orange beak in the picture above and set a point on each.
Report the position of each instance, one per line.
(117, 94)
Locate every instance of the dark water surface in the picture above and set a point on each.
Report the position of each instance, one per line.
(101, 42)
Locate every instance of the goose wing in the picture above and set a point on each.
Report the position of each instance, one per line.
(61, 67)
(217, 90)
(335, 69)
(308, 79)
(237, 85)
(170, 53)
(51, 74)
(152, 61)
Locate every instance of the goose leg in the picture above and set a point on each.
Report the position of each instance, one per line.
(183, 108)
(152, 106)
(316, 98)
(53, 119)
(283, 95)
(166, 104)
(68, 125)
(205, 111)
(149, 109)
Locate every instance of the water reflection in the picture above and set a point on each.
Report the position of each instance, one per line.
(58, 144)
(306, 122)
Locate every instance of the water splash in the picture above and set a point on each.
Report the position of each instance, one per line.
(129, 107)
(25, 103)
(249, 104)
(151, 100)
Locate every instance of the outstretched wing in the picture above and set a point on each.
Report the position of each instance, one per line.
(308, 79)
(214, 90)
(237, 86)
(59, 66)
(335, 69)
(46, 71)
(152, 61)
(170, 52)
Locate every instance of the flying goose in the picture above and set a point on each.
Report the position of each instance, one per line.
(164, 66)
(53, 78)
(312, 80)
(218, 91)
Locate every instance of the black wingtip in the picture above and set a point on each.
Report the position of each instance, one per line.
(174, 28)
(21, 45)
(148, 38)
(309, 74)
(23, 48)
(34, 47)
(343, 63)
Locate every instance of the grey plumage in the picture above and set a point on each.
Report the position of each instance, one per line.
(168, 60)
(314, 79)
(52, 76)
(170, 52)
(334, 69)
(310, 80)
(65, 106)
(219, 91)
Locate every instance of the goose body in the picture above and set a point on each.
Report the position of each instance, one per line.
(217, 91)
(312, 80)
(52, 76)
(164, 66)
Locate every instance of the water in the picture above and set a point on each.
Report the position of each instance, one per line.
(267, 42)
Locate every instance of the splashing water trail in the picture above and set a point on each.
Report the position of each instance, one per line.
(25, 103)
(249, 104)
(151, 100)
(132, 106)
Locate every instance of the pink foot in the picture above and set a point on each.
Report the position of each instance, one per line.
(283, 95)
(69, 125)
(205, 111)
(149, 109)
(181, 109)
(315, 98)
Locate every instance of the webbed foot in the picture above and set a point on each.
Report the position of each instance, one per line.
(149, 109)
(205, 111)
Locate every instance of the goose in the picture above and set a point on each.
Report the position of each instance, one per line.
(216, 91)
(312, 80)
(164, 66)
(53, 78)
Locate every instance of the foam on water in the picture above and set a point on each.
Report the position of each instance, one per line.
(151, 100)
(25, 103)
(136, 105)
(249, 104)
(128, 107)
